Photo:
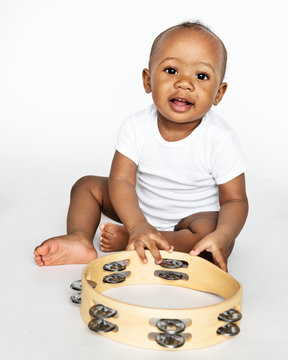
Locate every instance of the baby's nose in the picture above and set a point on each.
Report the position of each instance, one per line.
(185, 84)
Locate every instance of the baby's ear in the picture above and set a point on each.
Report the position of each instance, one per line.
(221, 91)
(146, 80)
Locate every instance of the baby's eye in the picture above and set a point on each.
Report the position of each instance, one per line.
(171, 71)
(202, 76)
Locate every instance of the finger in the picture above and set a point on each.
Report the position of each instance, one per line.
(139, 247)
(164, 244)
(155, 252)
(198, 248)
(220, 260)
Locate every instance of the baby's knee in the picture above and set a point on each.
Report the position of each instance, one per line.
(89, 183)
(200, 224)
(203, 226)
(80, 184)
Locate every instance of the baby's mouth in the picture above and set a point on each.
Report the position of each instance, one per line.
(179, 101)
(180, 104)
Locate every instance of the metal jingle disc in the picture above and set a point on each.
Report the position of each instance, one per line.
(171, 326)
(114, 278)
(102, 311)
(100, 325)
(229, 329)
(76, 285)
(114, 266)
(170, 340)
(76, 299)
(170, 275)
(171, 263)
(230, 315)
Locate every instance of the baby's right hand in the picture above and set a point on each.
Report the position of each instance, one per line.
(146, 236)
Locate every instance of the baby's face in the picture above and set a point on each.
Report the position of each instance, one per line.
(185, 75)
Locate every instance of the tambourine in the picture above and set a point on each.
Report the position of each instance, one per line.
(156, 328)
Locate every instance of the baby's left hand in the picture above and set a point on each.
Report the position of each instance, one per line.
(220, 250)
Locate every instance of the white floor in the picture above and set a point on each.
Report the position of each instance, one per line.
(38, 321)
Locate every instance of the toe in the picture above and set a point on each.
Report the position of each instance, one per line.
(108, 228)
(38, 260)
(106, 238)
(105, 249)
(105, 246)
(43, 249)
(102, 226)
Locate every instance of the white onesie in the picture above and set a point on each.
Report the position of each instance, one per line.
(179, 178)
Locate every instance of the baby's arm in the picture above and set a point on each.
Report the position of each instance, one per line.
(122, 181)
(232, 216)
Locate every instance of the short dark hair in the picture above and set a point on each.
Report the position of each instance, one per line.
(197, 26)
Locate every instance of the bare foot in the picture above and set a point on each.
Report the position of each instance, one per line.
(113, 237)
(63, 250)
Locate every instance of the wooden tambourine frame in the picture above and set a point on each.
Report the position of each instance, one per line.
(137, 325)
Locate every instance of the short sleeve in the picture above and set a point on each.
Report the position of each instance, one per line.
(229, 159)
(126, 142)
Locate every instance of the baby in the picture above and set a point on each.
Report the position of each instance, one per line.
(177, 177)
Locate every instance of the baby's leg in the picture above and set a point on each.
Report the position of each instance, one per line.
(89, 198)
(189, 231)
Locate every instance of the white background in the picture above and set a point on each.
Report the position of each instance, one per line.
(70, 72)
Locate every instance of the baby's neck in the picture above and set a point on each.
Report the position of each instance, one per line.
(175, 132)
